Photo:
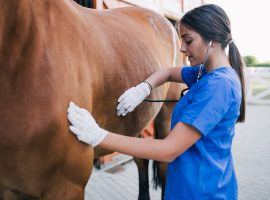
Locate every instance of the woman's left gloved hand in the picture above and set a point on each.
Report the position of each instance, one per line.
(132, 98)
(84, 126)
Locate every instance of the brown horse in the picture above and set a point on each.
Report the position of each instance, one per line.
(52, 52)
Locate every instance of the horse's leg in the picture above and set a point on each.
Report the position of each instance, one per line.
(142, 165)
(162, 128)
(97, 163)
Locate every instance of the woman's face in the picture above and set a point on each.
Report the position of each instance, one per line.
(193, 45)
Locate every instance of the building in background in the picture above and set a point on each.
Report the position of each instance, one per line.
(172, 9)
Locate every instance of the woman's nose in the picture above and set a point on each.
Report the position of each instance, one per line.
(183, 48)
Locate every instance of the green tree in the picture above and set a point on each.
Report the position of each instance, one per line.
(264, 64)
(250, 60)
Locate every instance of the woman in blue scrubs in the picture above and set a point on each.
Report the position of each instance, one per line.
(198, 147)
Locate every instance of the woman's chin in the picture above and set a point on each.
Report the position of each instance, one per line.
(193, 64)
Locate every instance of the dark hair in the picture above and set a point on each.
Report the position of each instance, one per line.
(213, 24)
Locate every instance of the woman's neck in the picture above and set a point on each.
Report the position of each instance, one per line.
(217, 59)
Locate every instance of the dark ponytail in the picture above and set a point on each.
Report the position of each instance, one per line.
(213, 24)
(237, 63)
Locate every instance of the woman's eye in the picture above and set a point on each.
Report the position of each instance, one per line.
(188, 42)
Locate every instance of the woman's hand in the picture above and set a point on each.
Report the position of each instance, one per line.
(84, 126)
(132, 98)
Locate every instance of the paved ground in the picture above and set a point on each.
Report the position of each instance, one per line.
(121, 185)
(251, 155)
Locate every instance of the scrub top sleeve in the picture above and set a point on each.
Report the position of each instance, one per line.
(189, 75)
(208, 106)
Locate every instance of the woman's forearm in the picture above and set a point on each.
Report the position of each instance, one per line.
(171, 74)
(147, 148)
(158, 77)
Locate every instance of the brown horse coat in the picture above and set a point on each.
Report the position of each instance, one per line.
(52, 52)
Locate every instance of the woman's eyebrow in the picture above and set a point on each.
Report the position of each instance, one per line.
(185, 34)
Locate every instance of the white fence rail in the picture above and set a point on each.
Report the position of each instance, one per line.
(258, 85)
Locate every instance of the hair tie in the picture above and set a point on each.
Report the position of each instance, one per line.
(230, 41)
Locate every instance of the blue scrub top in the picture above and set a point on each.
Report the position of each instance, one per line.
(205, 171)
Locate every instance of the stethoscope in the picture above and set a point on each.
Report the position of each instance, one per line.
(184, 91)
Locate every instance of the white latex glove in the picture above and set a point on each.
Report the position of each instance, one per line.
(84, 125)
(132, 98)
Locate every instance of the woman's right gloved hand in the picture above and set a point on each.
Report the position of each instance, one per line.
(84, 126)
(132, 98)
